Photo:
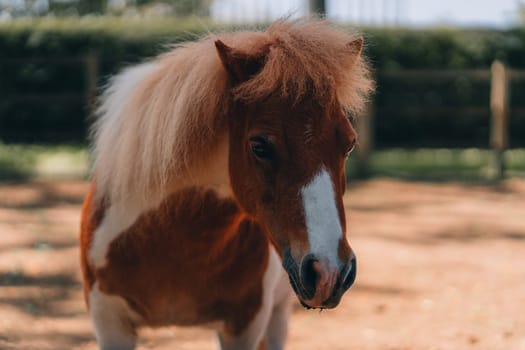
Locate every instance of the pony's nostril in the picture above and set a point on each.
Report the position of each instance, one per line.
(309, 276)
(350, 276)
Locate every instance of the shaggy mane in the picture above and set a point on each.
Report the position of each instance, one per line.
(158, 120)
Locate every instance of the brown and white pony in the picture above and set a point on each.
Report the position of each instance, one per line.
(216, 165)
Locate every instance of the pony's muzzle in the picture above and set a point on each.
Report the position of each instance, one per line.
(324, 285)
(315, 283)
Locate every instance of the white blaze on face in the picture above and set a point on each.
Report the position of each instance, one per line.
(322, 218)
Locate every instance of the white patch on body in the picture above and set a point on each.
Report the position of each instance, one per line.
(117, 219)
(113, 320)
(322, 218)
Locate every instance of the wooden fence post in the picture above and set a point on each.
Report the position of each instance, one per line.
(499, 106)
(91, 65)
(365, 127)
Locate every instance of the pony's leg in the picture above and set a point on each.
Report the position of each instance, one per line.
(277, 329)
(278, 326)
(267, 331)
(251, 337)
(275, 291)
(113, 321)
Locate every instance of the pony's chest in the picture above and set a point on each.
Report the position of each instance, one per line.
(185, 264)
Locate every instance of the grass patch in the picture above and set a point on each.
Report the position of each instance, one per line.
(438, 164)
(20, 162)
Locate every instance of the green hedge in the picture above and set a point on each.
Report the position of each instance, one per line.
(397, 99)
(445, 48)
(31, 111)
(55, 110)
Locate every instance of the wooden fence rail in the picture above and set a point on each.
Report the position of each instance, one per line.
(499, 76)
(499, 106)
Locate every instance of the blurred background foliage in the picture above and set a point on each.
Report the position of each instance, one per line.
(45, 85)
(42, 64)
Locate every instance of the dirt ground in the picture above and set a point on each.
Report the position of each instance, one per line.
(441, 266)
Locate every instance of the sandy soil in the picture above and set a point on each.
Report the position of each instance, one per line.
(441, 266)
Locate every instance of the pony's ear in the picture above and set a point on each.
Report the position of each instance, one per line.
(239, 65)
(356, 46)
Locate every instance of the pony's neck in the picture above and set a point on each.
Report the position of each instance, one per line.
(211, 174)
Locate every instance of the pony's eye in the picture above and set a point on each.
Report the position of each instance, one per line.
(350, 149)
(261, 147)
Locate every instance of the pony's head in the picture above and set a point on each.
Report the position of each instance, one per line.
(289, 138)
